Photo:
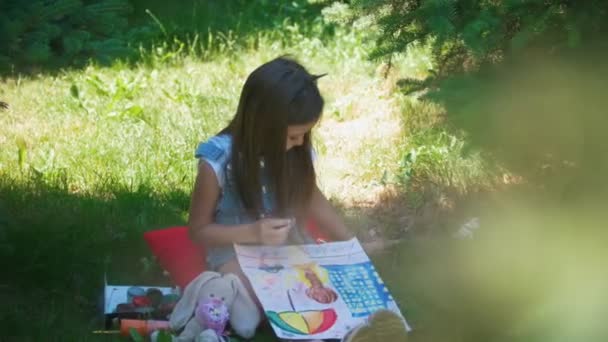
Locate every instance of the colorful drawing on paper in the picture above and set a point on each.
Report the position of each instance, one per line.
(315, 278)
(305, 322)
(274, 268)
(360, 287)
(315, 291)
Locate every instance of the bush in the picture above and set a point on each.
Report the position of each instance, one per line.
(62, 32)
(466, 34)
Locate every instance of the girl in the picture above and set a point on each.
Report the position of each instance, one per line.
(256, 180)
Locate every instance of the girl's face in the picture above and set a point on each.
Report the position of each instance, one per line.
(295, 134)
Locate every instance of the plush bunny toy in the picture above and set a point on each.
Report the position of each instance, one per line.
(216, 292)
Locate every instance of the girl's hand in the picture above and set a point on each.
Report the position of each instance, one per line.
(272, 231)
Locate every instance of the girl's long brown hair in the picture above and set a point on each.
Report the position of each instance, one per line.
(277, 94)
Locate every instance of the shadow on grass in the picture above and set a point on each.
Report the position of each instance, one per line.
(512, 282)
(398, 213)
(55, 247)
(205, 29)
(242, 17)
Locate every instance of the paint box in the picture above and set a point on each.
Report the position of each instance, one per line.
(122, 302)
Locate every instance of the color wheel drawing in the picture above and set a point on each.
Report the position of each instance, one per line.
(305, 322)
(308, 322)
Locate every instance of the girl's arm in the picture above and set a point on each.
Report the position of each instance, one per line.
(326, 217)
(202, 207)
(204, 230)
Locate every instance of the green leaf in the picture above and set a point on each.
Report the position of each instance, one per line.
(22, 152)
(98, 84)
(134, 111)
(74, 91)
(167, 94)
(163, 336)
(135, 335)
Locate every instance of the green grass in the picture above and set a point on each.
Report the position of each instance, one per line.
(92, 158)
(435, 154)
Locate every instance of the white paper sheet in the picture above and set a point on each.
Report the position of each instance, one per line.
(315, 291)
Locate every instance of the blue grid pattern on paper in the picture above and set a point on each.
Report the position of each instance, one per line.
(360, 288)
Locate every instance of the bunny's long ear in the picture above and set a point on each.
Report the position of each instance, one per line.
(244, 313)
(185, 306)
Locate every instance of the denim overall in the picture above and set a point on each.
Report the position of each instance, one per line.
(230, 209)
